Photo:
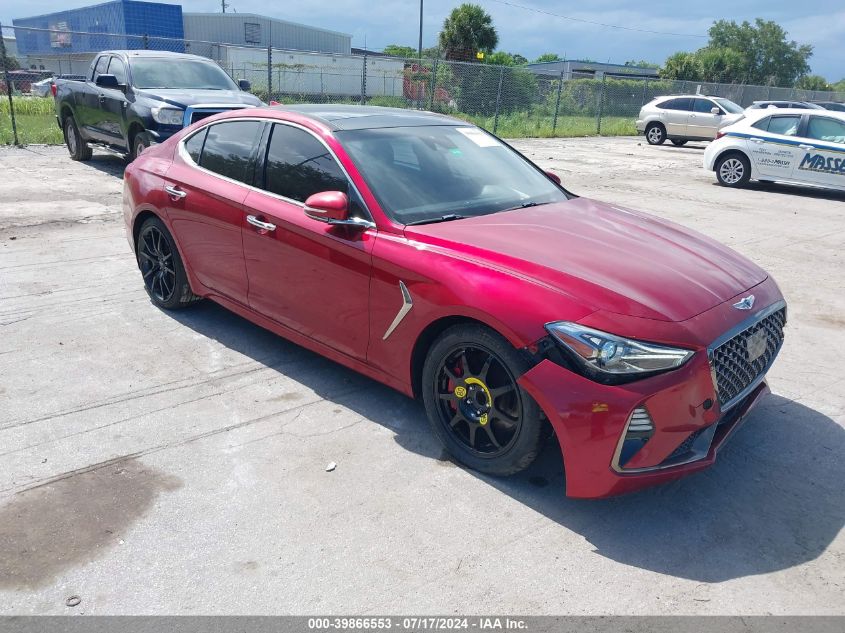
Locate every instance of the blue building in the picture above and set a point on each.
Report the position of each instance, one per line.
(121, 24)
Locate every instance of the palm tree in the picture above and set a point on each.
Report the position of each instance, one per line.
(468, 30)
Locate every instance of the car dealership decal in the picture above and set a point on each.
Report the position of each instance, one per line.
(818, 162)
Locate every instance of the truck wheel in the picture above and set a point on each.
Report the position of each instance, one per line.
(139, 144)
(75, 145)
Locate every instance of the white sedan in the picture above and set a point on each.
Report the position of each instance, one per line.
(805, 147)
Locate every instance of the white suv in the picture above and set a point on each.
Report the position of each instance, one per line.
(682, 118)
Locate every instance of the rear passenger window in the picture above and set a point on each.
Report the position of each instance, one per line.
(683, 103)
(824, 129)
(194, 145)
(298, 165)
(229, 149)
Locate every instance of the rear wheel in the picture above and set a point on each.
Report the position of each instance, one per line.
(655, 134)
(161, 267)
(678, 142)
(474, 404)
(77, 148)
(733, 170)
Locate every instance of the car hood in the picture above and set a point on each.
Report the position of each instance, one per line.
(185, 98)
(607, 257)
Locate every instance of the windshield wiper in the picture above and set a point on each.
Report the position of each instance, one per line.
(443, 218)
(525, 205)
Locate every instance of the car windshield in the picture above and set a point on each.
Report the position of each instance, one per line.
(163, 73)
(729, 106)
(435, 173)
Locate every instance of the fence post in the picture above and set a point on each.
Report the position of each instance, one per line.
(5, 63)
(599, 105)
(557, 103)
(145, 40)
(498, 99)
(364, 80)
(269, 72)
(433, 85)
(645, 89)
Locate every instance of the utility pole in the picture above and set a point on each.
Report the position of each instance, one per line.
(223, 5)
(419, 50)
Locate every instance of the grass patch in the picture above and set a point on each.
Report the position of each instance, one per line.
(37, 124)
(35, 118)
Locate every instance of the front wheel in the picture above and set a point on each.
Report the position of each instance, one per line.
(733, 170)
(141, 142)
(161, 267)
(474, 404)
(655, 134)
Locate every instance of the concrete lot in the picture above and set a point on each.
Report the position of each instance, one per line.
(175, 463)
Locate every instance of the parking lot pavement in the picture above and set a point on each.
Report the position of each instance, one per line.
(155, 462)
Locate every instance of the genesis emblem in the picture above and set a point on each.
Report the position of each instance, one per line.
(746, 303)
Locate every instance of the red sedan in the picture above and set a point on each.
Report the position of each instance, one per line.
(429, 255)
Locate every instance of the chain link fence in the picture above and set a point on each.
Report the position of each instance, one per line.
(510, 101)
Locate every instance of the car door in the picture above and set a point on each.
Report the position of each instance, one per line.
(702, 123)
(774, 147)
(823, 155)
(675, 115)
(308, 275)
(208, 182)
(88, 111)
(112, 103)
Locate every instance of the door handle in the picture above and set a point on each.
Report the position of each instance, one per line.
(266, 226)
(808, 147)
(757, 140)
(175, 192)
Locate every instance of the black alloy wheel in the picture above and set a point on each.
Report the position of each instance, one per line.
(165, 279)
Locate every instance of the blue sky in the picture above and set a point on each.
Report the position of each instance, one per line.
(381, 22)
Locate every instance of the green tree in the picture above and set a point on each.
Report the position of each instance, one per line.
(769, 58)
(468, 30)
(548, 57)
(684, 66)
(724, 65)
(812, 82)
(501, 58)
(396, 50)
(641, 64)
(839, 86)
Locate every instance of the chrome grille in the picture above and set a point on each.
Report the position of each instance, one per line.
(733, 369)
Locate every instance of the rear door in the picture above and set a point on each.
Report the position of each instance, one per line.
(702, 123)
(676, 115)
(823, 155)
(774, 146)
(208, 182)
(308, 275)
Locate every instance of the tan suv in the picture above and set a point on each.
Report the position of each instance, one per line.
(682, 118)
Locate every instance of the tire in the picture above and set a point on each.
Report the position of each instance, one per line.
(73, 139)
(733, 170)
(477, 410)
(167, 286)
(141, 142)
(678, 142)
(655, 134)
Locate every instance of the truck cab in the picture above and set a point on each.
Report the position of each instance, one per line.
(132, 99)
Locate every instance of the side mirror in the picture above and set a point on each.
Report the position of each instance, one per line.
(108, 81)
(553, 177)
(244, 85)
(715, 110)
(328, 206)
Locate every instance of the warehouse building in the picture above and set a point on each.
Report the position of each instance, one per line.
(574, 69)
(64, 42)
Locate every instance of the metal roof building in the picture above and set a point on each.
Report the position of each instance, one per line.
(247, 29)
(574, 69)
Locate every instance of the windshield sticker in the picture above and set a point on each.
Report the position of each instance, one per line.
(478, 137)
(817, 162)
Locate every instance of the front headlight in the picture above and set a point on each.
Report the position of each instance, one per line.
(168, 116)
(610, 354)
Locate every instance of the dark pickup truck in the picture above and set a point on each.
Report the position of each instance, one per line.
(132, 99)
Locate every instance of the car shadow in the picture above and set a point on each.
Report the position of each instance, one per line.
(109, 164)
(773, 500)
(794, 190)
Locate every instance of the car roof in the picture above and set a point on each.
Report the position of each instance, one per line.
(150, 54)
(755, 115)
(356, 117)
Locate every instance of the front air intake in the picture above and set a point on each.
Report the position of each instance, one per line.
(638, 431)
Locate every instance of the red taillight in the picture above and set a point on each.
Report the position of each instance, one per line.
(719, 134)
(53, 89)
